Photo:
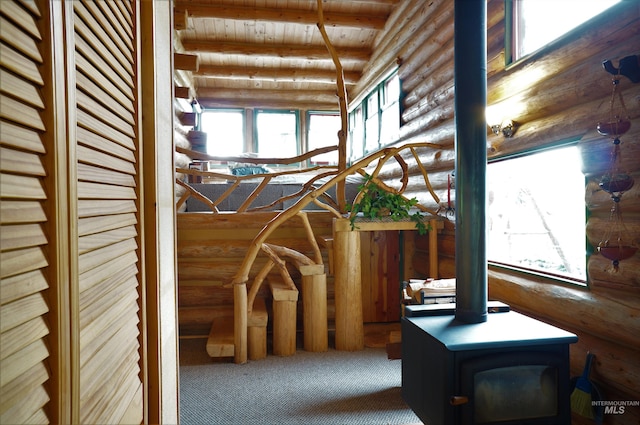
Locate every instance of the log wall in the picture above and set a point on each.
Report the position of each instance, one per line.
(558, 94)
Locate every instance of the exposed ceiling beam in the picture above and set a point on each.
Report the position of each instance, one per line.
(289, 51)
(275, 74)
(295, 16)
(254, 95)
(268, 104)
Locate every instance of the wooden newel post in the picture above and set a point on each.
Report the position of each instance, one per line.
(314, 308)
(348, 287)
(240, 322)
(285, 302)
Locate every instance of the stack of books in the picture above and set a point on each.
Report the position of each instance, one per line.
(432, 291)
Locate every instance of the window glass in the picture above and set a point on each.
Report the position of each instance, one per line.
(390, 117)
(537, 213)
(391, 92)
(323, 131)
(538, 22)
(356, 134)
(390, 125)
(225, 132)
(276, 134)
(371, 133)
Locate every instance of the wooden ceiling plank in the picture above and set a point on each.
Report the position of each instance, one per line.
(284, 51)
(291, 16)
(276, 74)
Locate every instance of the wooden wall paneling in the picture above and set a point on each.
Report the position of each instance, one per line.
(24, 236)
(368, 258)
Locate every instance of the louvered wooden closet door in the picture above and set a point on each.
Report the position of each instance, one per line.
(24, 239)
(107, 155)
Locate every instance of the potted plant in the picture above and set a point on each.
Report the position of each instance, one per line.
(376, 202)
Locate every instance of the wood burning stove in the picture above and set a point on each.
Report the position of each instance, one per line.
(474, 362)
(510, 369)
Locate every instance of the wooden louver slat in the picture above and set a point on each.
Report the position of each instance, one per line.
(22, 236)
(11, 83)
(99, 274)
(98, 174)
(117, 102)
(22, 335)
(93, 107)
(99, 127)
(93, 208)
(20, 113)
(18, 363)
(14, 395)
(19, 286)
(19, 64)
(102, 144)
(112, 169)
(22, 310)
(20, 137)
(19, 40)
(92, 242)
(14, 161)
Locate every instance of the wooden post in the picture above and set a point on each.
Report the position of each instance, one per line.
(348, 290)
(257, 331)
(314, 308)
(284, 318)
(433, 249)
(240, 322)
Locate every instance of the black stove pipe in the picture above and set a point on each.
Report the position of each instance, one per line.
(470, 79)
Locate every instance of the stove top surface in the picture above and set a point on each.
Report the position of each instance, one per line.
(502, 329)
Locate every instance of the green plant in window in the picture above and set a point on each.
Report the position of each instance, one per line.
(378, 203)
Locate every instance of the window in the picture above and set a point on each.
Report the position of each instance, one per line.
(390, 110)
(371, 140)
(538, 22)
(277, 134)
(375, 122)
(323, 130)
(356, 134)
(537, 213)
(225, 132)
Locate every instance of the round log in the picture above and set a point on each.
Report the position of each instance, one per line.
(349, 334)
(240, 320)
(314, 308)
(612, 318)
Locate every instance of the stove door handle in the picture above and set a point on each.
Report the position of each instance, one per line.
(457, 400)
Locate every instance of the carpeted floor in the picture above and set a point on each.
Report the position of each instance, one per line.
(335, 387)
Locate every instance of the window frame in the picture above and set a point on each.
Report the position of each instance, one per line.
(308, 147)
(549, 277)
(241, 111)
(366, 117)
(511, 33)
(256, 133)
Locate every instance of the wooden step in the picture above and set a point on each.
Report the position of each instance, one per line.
(221, 342)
